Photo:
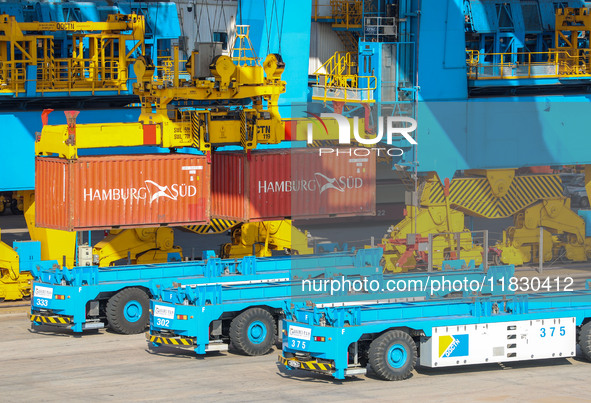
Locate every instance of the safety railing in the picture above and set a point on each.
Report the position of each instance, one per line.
(166, 66)
(379, 27)
(336, 81)
(347, 13)
(68, 74)
(321, 12)
(343, 13)
(550, 64)
(12, 78)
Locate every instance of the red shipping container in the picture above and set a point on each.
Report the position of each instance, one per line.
(296, 183)
(122, 191)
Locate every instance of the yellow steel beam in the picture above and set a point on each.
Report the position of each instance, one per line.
(154, 130)
(60, 140)
(11, 29)
(207, 91)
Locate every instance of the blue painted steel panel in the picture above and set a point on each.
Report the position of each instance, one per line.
(18, 140)
(287, 24)
(586, 215)
(485, 13)
(442, 57)
(161, 18)
(457, 133)
(503, 133)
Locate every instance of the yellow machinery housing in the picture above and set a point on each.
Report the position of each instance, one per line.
(152, 245)
(262, 238)
(139, 245)
(14, 284)
(563, 234)
(439, 220)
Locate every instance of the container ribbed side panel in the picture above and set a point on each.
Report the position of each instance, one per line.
(124, 191)
(296, 183)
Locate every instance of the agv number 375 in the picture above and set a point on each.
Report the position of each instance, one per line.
(552, 331)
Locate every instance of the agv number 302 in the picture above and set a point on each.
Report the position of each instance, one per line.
(162, 322)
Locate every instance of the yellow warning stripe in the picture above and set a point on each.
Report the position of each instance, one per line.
(308, 365)
(195, 126)
(216, 226)
(475, 195)
(243, 129)
(55, 320)
(171, 341)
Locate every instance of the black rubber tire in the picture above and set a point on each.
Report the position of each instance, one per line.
(496, 259)
(584, 203)
(14, 208)
(378, 355)
(239, 332)
(585, 340)
(116, 305)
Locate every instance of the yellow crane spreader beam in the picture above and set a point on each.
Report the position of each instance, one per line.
(11, 29)
(65, 140)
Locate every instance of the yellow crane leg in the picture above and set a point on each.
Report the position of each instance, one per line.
(263, 238)
(141, 245)
(55, 244)
(14, 284)
(563, 233)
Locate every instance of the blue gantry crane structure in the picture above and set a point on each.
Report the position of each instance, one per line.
(498, 88)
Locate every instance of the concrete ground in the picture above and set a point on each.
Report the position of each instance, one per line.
(49, 366)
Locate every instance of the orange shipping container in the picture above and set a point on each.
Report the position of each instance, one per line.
(296, 183)
(122, 191)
